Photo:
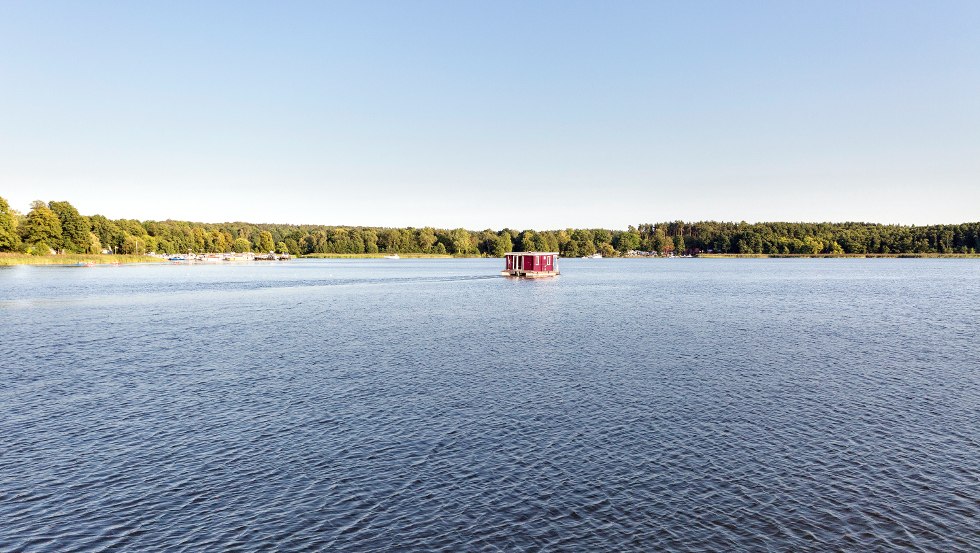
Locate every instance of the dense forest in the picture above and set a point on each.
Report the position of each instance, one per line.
(58, 226)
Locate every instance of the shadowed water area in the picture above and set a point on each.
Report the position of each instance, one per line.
(677, 405)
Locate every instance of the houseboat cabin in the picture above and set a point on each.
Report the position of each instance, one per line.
(530, 264)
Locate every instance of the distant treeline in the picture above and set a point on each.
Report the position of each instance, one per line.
(58, 226)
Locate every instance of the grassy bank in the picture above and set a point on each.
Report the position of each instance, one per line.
(843, 255)
(7, 259)
(376, 256)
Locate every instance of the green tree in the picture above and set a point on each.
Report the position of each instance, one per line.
(370, 241)
(39, 248)
(42, 225)
(167, 247)
(462, 243)
(265, 242)
(570, 249)
(389, 240)
(94, 245)
(679, 245)
(199, 243)
(502, 245)
(109, 233)
(549, 242)
(629, 240)
(584, 243)
(74, 227)
(220, 242)
(241, 245)
(8, 228)
(602, 236)
(812, 245)
(562, 239)
(426, 239)
(149, 243)
(528, 241)
(659, 243)
(133, 246)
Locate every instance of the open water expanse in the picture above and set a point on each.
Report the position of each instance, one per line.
(381, 405)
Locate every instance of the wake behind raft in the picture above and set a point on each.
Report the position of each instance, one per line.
(530, 264)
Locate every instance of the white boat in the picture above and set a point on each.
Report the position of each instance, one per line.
(596, 255)
(392, 256)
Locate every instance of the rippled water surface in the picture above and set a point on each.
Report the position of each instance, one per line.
(377, 405)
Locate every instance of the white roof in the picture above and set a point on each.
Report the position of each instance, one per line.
(531, 253)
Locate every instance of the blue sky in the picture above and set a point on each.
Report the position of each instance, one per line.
(494, 114)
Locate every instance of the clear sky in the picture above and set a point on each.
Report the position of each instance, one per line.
(494, 114)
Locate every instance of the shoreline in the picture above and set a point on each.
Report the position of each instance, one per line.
(382, 256)
(13, 259)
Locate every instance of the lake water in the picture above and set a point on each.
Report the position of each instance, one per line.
(379, 405)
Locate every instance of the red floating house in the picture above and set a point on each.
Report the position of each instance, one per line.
(530, 264)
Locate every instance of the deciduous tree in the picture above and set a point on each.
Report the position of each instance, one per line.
(265, 242)
(241, 245)
(502, 245)
(8, 228)
(74, 227)
(42, 225)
